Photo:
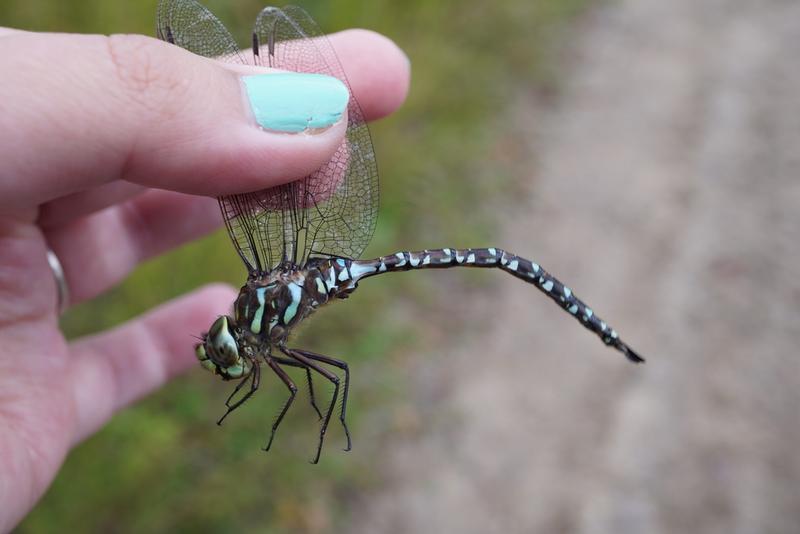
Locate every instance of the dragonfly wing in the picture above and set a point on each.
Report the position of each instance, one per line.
(331, 212)
(193, 27)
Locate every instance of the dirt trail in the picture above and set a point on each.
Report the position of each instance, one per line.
(667, 194)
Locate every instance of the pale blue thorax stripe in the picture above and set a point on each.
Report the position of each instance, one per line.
(331, 281)
(255, 325)
(291, 309)
(321, 285)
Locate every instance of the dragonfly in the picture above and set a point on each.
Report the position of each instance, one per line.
(301, 241)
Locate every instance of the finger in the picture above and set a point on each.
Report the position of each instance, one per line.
(378, 71)
(377, 102)
(134, 108)
(98, 251)
(115, 368)
(65, 209)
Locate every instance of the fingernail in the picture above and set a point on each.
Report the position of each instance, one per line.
(295, 102)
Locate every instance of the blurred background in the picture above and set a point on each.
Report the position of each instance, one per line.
(646, 153)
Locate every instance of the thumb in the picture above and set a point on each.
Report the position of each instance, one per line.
(77, 111)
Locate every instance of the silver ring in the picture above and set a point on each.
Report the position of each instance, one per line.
(61, 281)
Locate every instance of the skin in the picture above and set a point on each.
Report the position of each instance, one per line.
(109, 156)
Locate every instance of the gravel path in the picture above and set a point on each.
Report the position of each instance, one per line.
(667, 194)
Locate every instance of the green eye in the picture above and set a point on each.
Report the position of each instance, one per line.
(222, 344)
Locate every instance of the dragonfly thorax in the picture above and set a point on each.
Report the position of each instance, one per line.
(266, 310)
(268, 307)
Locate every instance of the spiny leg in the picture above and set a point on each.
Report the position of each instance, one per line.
(292, 363)
(330, 376)
(344, 367)
(255, 380)
(292, 392)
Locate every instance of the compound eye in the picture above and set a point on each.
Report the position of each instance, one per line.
(221, 344)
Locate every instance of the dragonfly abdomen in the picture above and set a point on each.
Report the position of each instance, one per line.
(491, 257)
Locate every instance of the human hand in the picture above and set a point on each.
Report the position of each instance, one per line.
(108, 156)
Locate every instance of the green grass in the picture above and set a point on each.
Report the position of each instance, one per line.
(446, 163)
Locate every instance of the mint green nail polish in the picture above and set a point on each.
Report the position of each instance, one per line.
(294, 102)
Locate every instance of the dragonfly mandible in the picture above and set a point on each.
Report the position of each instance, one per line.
(301, 241)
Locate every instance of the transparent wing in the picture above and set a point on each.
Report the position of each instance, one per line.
(191, 26)
(331, 212)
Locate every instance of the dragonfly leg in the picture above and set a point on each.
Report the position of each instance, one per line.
(311, 393)
(330, 376)
(344, 367)
(293, 363)
(292, 392)
(255, 380)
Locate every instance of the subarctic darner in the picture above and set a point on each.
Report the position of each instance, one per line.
(301, 241)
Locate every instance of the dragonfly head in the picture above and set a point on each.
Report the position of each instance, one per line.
(219, 352)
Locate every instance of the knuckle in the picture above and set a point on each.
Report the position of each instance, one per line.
(143, 74)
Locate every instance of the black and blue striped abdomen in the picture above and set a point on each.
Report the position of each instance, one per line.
(522, 268)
